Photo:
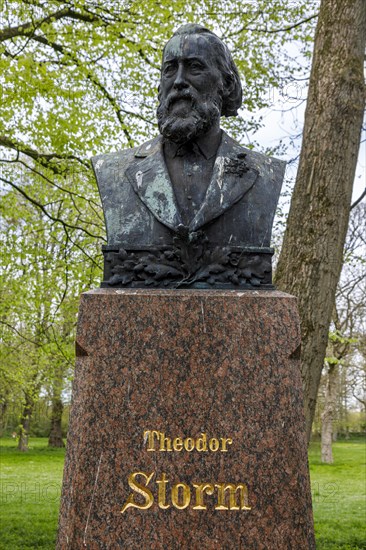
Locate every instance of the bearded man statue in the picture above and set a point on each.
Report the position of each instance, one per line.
(190, 208)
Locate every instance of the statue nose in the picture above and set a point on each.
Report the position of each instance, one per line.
(180, 81)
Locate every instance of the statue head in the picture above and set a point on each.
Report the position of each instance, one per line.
(199, 84)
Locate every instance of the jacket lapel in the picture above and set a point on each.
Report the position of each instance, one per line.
(231, 179)
(149, 178)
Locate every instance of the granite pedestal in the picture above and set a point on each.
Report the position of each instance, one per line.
(187, 427)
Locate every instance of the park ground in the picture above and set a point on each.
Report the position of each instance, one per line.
(30, 491)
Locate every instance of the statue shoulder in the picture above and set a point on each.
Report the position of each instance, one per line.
(267, 167)
(110, 161)
(270, 167)
(119, 159)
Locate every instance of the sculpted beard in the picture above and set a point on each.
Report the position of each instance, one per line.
(190, 123)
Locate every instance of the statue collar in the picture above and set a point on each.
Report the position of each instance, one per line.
(207, 146)
(232, 177)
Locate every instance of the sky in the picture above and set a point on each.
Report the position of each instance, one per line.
(285, 118)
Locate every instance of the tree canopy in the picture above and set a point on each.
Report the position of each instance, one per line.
(80, 78)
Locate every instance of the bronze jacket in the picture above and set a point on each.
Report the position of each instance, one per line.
(141, 211)
(140, 207)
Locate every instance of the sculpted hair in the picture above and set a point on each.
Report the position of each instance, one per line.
(232, 91)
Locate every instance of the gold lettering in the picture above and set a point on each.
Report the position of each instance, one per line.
(141, 490)
(233, 505)
(201, 444)
(214, 444)
(150, 438)
(189, 444)
(165, 441)
(162, 483)
(230, 496)
(186, 496)
(202, 488)
(225, 441)
(178, 444)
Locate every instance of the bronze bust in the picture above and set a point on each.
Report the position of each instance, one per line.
(191, 208)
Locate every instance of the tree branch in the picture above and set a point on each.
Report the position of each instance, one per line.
(27, 29)
(359, 199)
(273, 31)
(44, 210)
(19, 333)
(41, 157)
(72, 194)
(90, 76)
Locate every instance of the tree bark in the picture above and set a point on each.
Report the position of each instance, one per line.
(3, 418)
(25, 423)
(55, 437)
(328, 414)
(311, 258)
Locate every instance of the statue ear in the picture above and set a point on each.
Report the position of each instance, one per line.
(231, 96)
(227, 89)
(229, 85)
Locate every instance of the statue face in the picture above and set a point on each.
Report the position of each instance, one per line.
(190, 88)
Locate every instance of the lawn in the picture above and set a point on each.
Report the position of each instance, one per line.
(339, 496)
(30, 489)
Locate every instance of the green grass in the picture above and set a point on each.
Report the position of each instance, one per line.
(30, 487)
(339, 496)
(31, 482)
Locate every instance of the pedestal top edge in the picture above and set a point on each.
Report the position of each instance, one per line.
(171, 293)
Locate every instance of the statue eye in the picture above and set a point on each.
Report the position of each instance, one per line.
(169, 69)
(196, 66)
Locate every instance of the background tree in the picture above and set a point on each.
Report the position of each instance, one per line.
(37, 310)
(347, 327)
(311, 258)
(78, 79)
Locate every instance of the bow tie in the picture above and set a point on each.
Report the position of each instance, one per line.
(175, 150)
(187, 148)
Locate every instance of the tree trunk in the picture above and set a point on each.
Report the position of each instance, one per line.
(3, 418)
(345, 408)
(25, 423)
(328, 414)
(55, 437)
(311, 258)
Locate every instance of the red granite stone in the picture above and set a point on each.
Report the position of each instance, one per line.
(185, 363)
